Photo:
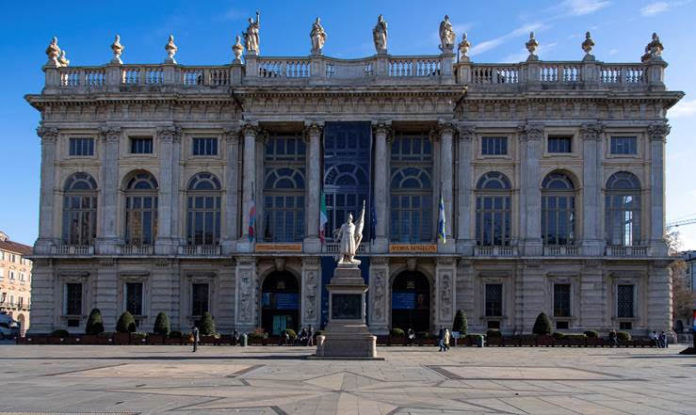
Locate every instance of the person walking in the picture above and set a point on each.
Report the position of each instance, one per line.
(310, 336)
(441, 339)
(613, 338)
(447, 339)
(663, 340)
(655, 340)
(411, 336)
(195, 333)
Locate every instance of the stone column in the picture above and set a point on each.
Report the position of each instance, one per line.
(530, 190)
(593, 297)
(657, 133)
(249, 196)
(445, 300)
(312, 243)
(592, 241)
(378, 293)
(311, 293)
(108, 240)
(465, 291)
(659, 297)
(465, 241)
(230, 229)
(44, 304)
(381, 187)
(48, 234)
(245, 295)
(167, 241)
(445, 187)
(106, 293)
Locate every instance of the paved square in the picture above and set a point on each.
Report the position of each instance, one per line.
(278, 380)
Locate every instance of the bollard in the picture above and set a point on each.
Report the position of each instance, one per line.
(243, 342)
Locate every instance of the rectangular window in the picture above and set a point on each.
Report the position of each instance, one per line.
(624, 301)
(561, 325)
(560, 144)
(561, 300)
(624, 145)
(494, 146)
(141, 145)
(134, 298)
(199, 299)
(81, 146)
(20, 302)
(207, 146)
(494, 300)
(2, 274)
(625, 325)
(12, 276)
(73, 299)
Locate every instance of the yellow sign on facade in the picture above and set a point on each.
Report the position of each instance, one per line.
(400, 248)
(268, 247)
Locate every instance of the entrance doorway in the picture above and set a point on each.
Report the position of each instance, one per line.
(410, 306)
(280, 303)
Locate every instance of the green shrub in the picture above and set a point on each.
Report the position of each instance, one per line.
(591, 334)
(207, 324)
(291, 333)
(126, 323)
(175, 334)
(542, 325)
(576, 336)
(493, 334)
(558, 335)
(623, 336)
(60, 333)
(256, 335)
(460, 324)
(95, 324)
(397, 332)
(162, 324)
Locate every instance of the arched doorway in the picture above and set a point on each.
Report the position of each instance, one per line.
(410, 306)
(280, 302)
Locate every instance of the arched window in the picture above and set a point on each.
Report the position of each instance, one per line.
(493, 210)
(141, 209)
(80, 210)
(557, 210)
(203, 210)
(284, 188)
(622, 204)
(411, 189)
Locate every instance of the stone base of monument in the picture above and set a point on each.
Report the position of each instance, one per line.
(346, 335)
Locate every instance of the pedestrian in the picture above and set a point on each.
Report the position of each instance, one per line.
(655, 340)
(447, 339)
(411, 336)
(303, 336)
(663, 340)
(613, 338)
(441, 339)
(235, 337)
(195, 333)
(310, 336)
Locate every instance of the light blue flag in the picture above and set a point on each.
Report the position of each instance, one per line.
(441, 230)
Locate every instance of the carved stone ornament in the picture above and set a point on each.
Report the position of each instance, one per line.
(447, 35)
(464, 47)
(532, 132)
(110, 133)
(245, 295)
(117, 48)
(169, 133)
(653, 50)
(379, 35)
(62, 60)
(238, 50)
(446, 128)
(591, 131)
(171, 49)
(532, 46)
(313, 129)
(251, 36)
(318, 37)
(659, 131)
(466, 132)
(379, 296)
(587, 46)
(53, 52)
(310, 288)
(47, 133)
(445, 295)
(230, 134)
(382, 128)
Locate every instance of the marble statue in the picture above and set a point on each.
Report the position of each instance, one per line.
(379, 35)
(318, 36)
(117, 48)
(447, 35)
(464, 47)
(237, 49)
(350, 235)
(251, 36)
(171, 49)
(653, 49)
(588, 44)
(53, 52)
(62, 59)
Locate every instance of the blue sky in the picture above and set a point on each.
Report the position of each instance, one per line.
(204, 33)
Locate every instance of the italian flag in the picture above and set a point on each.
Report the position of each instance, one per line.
(323, 218)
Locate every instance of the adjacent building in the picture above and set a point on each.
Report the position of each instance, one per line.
(503, 190)
(15, 280)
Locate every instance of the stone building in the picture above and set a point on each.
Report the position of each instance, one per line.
(185, 189)
(15, 280)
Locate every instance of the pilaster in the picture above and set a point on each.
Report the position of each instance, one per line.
(48, 236)
(313, 132)
(230, 230)
(249, 197)
(106, 293)
(107, 237)
(659, 297)
(465, 242)
(311, 293)
(378, 311)
(44, 306)
(531, 137)
(593, 296)
(592, 241)
(446, 185)
(167, 241)
(445, 286)
(247, 286)
(381, 186)
(657, 133)
(533, 292)
(225, 297)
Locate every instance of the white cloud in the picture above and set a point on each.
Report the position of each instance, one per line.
(487, 45)
(613, 52)
(654, 8)
(583, 7)
(683, 109)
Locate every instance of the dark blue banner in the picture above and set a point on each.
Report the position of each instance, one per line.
(403, 300)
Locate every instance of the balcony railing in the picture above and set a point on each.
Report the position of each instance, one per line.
(561, 250)
(496, 251)
(73, 250)
(626, 251)
(199, 250)
(333, 248)
(137, 250)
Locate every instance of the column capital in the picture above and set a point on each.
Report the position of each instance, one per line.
(48, 134)
(230, 133)
(466, 131)
(659, 131)
(110, 134)
(446, 127)
(313, 128)
(531, 131)
(591, 131)
(169, 133)
(250, 129)
(382, 127)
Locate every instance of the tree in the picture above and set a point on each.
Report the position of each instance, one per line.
(542, 325)
(683, 298)
(460, 324)
(162, 324)
(126, 323)
(207, 324)
(95, 324)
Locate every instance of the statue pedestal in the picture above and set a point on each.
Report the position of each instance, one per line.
(346, 334)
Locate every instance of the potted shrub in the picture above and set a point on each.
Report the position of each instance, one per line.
(592, 338)
(138, 337)
(124, 327)
(105, 337)
(623, 337)
(257, 337)
(459, 325)
(559, 339)
(542, 329)
(494, 338)
(576, 339)
(397, 336)
(94, 326)
(58, 336)
(207, 329)
(160, 330)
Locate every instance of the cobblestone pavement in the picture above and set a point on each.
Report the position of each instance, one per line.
(279, 380)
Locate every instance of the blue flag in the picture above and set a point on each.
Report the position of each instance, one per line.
(373, 222)
(441, 230)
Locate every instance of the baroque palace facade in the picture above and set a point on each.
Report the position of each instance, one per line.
(186, 189)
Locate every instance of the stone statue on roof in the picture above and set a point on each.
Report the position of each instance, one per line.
(251, 36)
(447, 35)
(379, 35)
(318, 37)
